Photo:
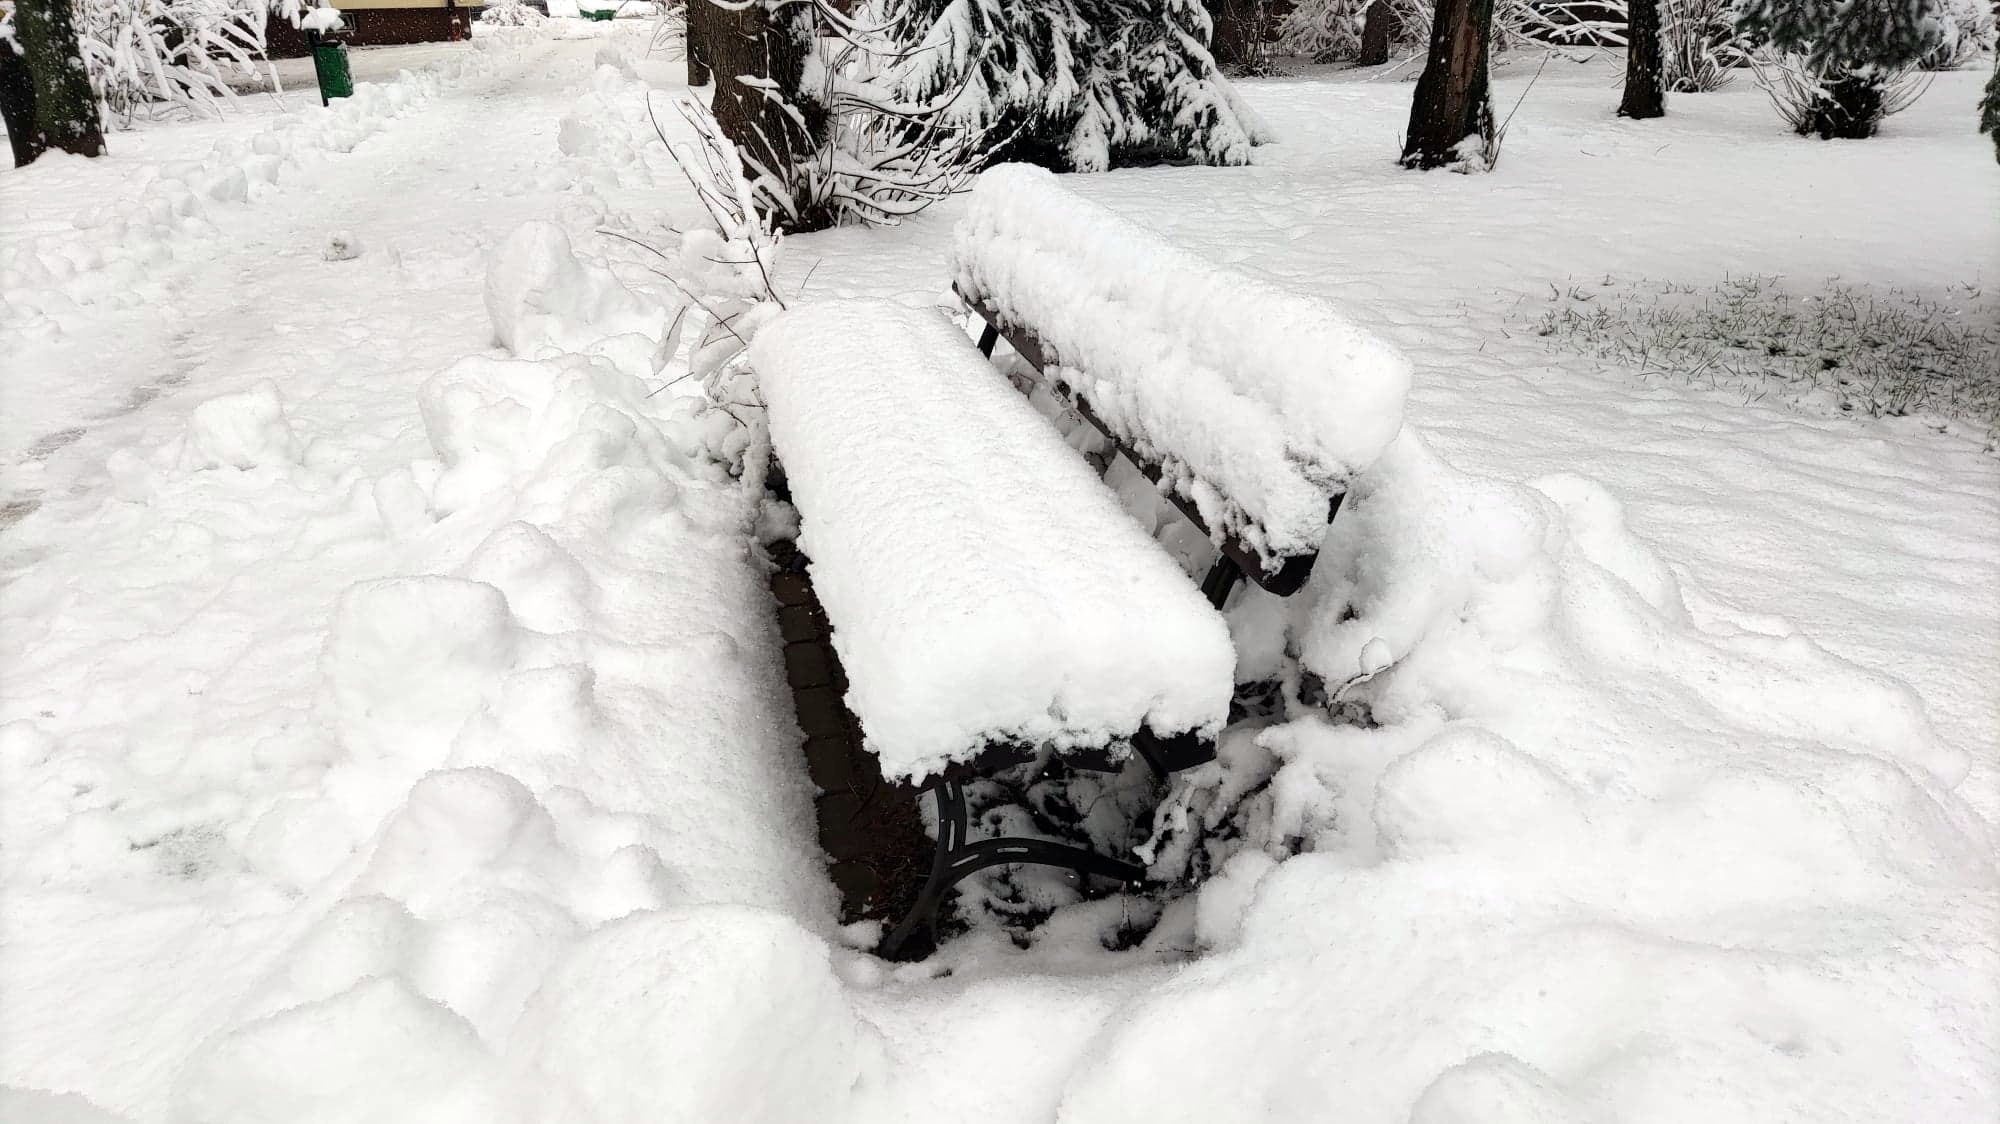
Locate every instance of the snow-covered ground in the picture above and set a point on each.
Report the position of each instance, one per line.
(391, 724)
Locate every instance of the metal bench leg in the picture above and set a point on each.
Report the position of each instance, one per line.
(954, 859)
(1222, 577)
(987, 338)
(951, 827)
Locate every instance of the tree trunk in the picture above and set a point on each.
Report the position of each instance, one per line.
(1454, 100)
(17, 106)
(1645, 63)
(759, 43)
(65, 107)
(705, 22)
(1378, 29)
(1240, 28)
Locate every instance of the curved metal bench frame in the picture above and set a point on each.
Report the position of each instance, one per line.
(954, 859)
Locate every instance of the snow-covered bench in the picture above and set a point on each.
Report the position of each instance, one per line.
(1252, 405)
(986, 592)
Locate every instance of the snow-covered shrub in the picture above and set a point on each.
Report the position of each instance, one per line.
(726, 267)
(1330, 30)
(1071, 84)
(1701, 45)
(670, 29)
(1836, 69)
(174, 54)
(1965, 29)
(1833, 101)
(511, 13)
(1845, 348)
(1325, 30)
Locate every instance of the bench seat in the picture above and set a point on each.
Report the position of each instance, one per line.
(983, 585)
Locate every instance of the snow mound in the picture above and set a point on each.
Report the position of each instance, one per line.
(721, 1013)
(985, 583)
(409, 657)
(1451, 573)
(566, 429)
(491, 771)
(32, 1106)
(244, 431)
(544, 301)
(1495, 1089)
(608, 131)
(1587, 846)
(1193, 366)
(377, 1052)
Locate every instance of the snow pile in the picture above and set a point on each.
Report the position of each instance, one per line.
(1587, 845)
(1193, 366)
(984, 585)
(240, 431)
(498, 775)
(544, 301)
(610, 128)
(511, 13)
(43, 277)
(701, 1015)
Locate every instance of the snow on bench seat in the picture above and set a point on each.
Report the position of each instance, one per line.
(982, 583)
(1258, 404)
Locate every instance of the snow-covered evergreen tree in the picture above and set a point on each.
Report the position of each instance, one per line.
(1989, 109)
(1072, 84)
(1847, 33)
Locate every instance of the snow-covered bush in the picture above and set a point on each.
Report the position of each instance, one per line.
(1701, 45)
(1829, 100)
(725, 268)
(1330, 30)
(670, 30)
(1965, 28)
(1326, 30)
(145, 55)
(1835, 68)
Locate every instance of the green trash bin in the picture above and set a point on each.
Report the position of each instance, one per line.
(599, 14)
(330, 67)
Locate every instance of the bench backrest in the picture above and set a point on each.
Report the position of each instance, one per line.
(983, 584)
(1257, 405)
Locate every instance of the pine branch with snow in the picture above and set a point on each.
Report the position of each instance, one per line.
(1847, 33)
(1075, 85)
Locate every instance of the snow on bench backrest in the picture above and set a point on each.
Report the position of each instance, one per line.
(1259, 404)
(982, 582)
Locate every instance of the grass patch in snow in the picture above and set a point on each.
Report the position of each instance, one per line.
(1884, 353)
